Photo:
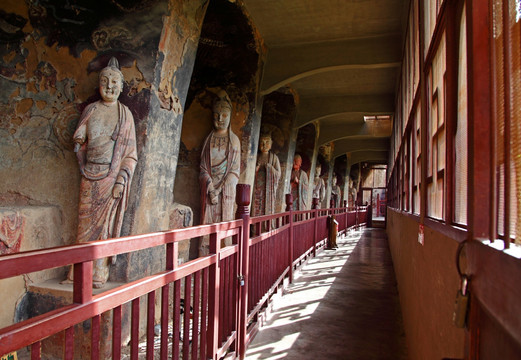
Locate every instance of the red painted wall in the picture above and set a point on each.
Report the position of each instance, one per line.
(427, 284)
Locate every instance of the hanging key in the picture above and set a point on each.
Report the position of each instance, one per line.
(241, 280)
(462, 304)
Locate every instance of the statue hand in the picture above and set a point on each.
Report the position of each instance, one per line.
(213, 198)
(117, 191)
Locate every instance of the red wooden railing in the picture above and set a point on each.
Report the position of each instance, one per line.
(226, 290)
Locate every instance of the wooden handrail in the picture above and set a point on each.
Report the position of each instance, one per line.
(248, 258)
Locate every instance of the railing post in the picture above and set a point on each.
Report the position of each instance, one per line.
(346, 217)
(314, 206)
(243, 212)
(212, 343)
(82, 283)
(289, 207)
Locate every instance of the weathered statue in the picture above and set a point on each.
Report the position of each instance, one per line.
(220, 167)
(299, 185)
(267, 175)
(352, 193)
(105, 145)
(336, 193)
(319, 188)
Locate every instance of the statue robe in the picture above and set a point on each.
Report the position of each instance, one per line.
(100, 214)
(266, 183)
(319, 191)
(300, 192)
(336, 193)
(224, 175)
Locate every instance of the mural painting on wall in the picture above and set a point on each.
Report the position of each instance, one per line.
(11, 233)
(299, 185)
(105, 145)
(220, 168)
(319, 188)
(336, 193)
(267, 175)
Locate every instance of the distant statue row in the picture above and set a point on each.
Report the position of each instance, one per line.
(105, 144)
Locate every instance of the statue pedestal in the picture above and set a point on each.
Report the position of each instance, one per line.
(50, 295)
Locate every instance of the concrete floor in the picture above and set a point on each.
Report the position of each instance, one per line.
(342, 305)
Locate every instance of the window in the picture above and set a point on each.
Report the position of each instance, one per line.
(417, 153)
(460, 137)
(506, 55)
(436, 135)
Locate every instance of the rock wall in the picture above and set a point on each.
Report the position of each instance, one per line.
(50, 57)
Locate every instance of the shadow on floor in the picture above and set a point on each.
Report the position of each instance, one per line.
(342, 305)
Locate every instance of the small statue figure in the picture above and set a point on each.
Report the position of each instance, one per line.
(220, 167)
(267, 175)
(336, 193)
(352, 193)
(105, 145)
(319, 188)
(299, 185)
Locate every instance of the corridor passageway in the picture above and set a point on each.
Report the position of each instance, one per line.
(342, 305)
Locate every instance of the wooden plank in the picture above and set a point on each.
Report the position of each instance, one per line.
(195, 317)
(165, 290)
(150, 324)
(82, 286)
(69, 344)
(134, 332)
(37, 260)
(36, 351)
(204, 311)
(116, 333)
(95, 338)
(176, 320)
(498, 294)
(187, 320)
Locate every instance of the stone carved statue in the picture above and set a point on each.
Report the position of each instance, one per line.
(319, 188)
(336, 193)
(299, 185)
(105, 145)
(352, 193)
(267, 175)
(220, 168)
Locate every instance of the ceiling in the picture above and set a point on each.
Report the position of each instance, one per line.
(342, 58)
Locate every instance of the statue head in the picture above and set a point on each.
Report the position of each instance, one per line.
(265, 143)
(318, 170)
(222, 110)
(334, 180)
(297, 162)
(110, 81)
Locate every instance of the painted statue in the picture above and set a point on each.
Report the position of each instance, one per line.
(352, 193)
(105, 145)
(299, 185)
(319, 188)
(267, 175)
(336, 193)
(220, 168)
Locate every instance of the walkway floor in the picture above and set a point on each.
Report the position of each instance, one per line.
(342, 305)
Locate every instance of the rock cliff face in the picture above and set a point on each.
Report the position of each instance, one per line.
(173, 54)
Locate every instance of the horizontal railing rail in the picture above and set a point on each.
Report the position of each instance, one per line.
(206, 306)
